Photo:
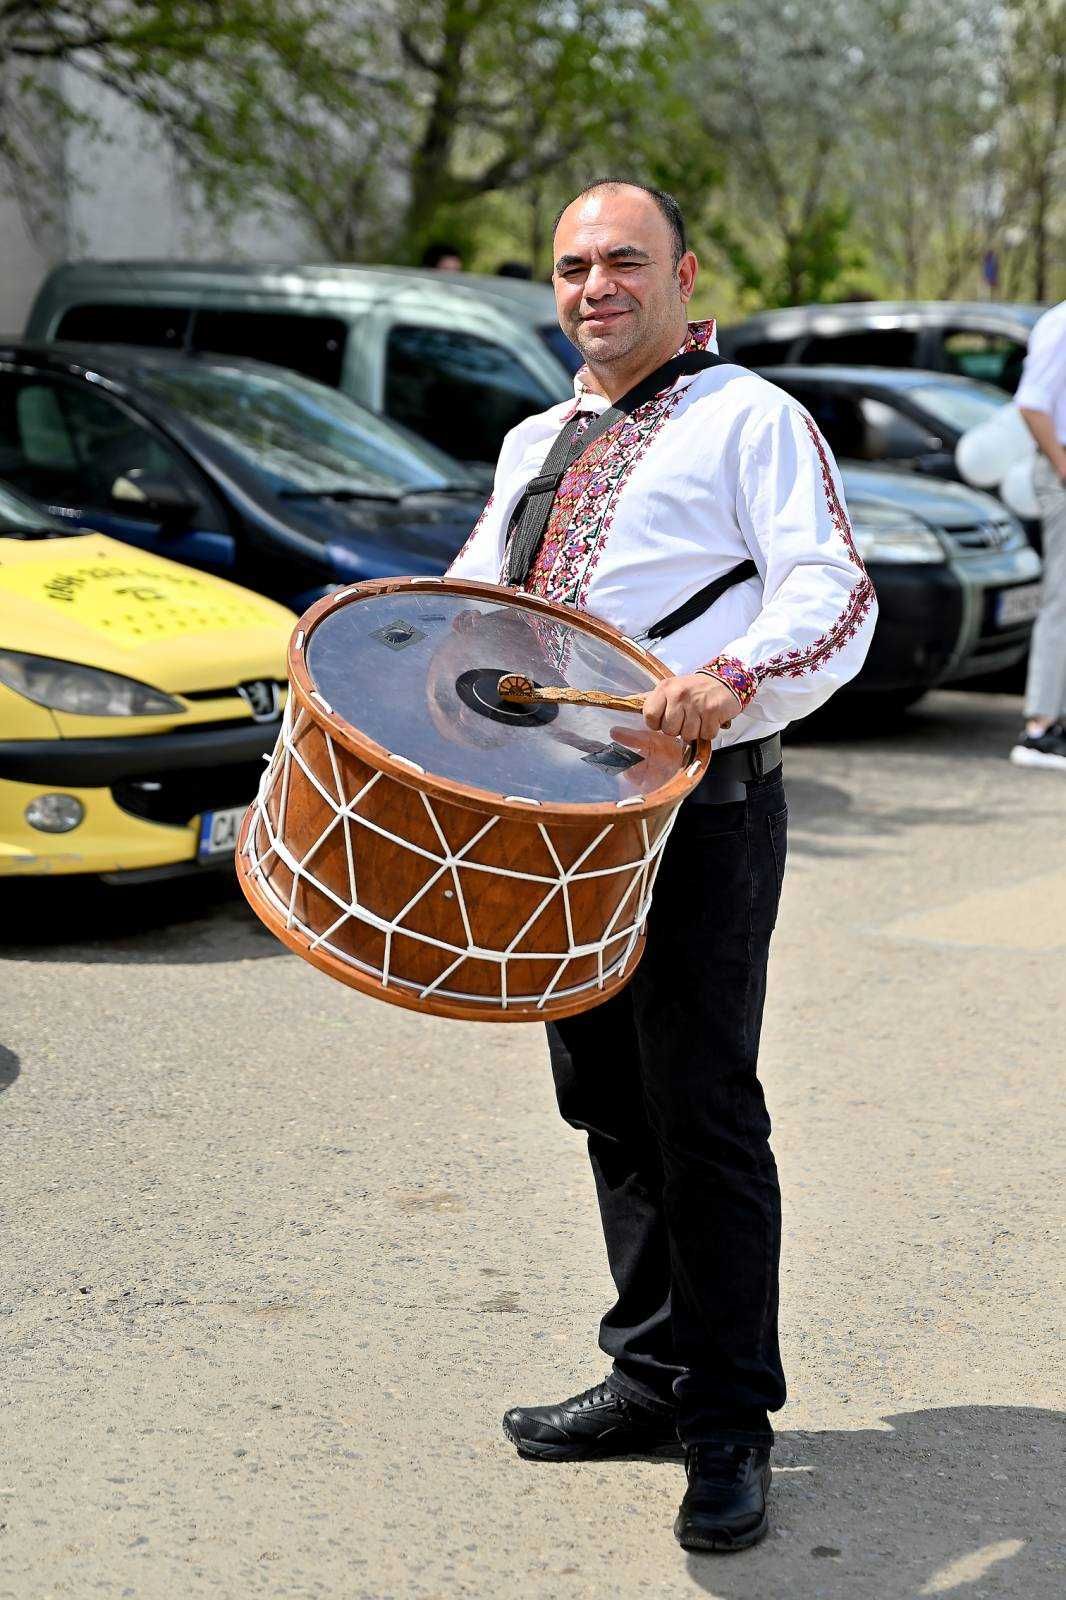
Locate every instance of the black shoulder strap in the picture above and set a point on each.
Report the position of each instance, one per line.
(530, 517)
(701, 601)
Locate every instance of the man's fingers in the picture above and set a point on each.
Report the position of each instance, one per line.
(673, 717)
(654, 706)
(678, 706)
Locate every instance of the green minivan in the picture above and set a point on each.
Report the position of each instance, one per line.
(457, 358)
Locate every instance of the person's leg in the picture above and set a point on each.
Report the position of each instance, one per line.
(1045, 688)
(698, 1001)
(595, 1063)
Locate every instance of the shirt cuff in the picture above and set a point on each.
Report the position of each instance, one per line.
(1034, 397)
(735, 675)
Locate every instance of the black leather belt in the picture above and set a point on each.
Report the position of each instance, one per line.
(732, 769)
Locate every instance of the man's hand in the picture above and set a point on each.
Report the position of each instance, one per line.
(695, 706)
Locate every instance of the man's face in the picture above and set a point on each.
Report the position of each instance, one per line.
(616, 286)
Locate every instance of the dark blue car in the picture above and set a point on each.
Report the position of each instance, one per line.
(239, 468)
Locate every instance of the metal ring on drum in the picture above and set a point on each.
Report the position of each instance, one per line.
(425, 841)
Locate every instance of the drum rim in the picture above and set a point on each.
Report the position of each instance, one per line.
(487, 801)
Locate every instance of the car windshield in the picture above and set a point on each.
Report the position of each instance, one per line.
(21, 518)
(959, 405)
(561, 348)
(303, 437)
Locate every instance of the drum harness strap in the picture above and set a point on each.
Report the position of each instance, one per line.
(530, 518)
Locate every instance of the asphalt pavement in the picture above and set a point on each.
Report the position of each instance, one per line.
(277, 1257)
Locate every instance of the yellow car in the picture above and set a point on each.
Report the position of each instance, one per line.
(137, 700)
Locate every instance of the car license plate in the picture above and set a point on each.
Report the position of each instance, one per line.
(1017, 605)
(218, 832)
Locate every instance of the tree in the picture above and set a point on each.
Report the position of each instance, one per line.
(888, 142)
(199, 70)
(462, 100)
(781, 94)
(928, 186)
(1033, 98)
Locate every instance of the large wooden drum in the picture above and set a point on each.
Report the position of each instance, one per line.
(422, 840)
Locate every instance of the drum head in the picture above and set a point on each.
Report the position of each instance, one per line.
(416, 670)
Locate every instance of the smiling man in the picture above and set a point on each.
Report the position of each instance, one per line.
(688, 502)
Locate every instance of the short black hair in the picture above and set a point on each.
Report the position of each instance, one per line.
(435, 253)
(665, 202)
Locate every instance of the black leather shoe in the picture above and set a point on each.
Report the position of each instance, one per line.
(588, 1427)
(725, 1505)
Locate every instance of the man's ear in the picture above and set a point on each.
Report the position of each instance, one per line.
(687, 268)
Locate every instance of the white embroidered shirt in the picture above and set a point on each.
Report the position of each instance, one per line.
(718, 468)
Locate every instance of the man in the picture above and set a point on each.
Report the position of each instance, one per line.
(1041, 398)
(716, 469)
(441, 257)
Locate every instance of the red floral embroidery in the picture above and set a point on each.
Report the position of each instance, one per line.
(472, 535)
(584, 508)
(583, 512)
(795, 663)
(700, 336)
(735, 675)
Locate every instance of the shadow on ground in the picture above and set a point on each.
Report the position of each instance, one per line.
(826, 820)
(952, 722)
(964, 738)
(9, 1067)
(962, 1501)
(184, 921)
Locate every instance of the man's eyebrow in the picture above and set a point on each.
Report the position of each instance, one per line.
(618, 252)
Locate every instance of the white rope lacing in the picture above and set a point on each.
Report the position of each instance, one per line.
(265, 847)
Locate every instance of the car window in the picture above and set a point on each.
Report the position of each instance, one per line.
(162, 326)
(892, 436)
(875, 347)
(461, 392)
(993, 357)
(311, 345)
(760, 352)
(65, 443)
(298, 435)
(960, 405)
(19, 517)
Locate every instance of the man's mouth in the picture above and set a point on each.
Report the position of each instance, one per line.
(600, 321)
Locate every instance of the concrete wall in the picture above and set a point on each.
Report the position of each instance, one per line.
(123, 198)
(23, 262)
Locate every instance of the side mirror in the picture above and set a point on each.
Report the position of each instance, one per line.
(890, 436)
(155, 492)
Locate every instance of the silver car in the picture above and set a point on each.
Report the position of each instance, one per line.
(457, 358)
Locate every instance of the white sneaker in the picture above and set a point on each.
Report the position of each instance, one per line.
(1047, 749)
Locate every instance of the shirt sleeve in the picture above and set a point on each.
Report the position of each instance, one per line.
(819, 608)
(1044, 373)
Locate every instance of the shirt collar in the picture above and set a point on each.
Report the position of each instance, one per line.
(701, 336)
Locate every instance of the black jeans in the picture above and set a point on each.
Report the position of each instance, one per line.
(663, 1078)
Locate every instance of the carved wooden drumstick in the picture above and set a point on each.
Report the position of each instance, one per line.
(520, 690)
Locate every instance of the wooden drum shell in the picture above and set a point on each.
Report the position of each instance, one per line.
(470, 874)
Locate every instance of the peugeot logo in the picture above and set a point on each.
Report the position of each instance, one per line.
(262, 698)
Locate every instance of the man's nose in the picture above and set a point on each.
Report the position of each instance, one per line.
(600, 282)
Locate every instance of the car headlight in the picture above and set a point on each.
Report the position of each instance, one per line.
(884, 534)
(85, 691)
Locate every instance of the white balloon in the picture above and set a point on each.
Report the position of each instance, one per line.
(1016, 490)
(985, 454)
